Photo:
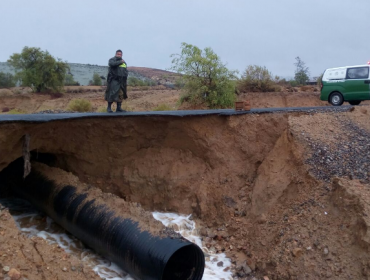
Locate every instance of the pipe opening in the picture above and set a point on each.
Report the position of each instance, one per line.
(186, 263)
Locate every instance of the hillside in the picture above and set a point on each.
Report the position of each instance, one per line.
(83, 73)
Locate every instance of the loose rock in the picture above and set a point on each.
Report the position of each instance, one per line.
(14, 274)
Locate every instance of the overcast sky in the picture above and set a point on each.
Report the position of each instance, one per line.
(271, 33)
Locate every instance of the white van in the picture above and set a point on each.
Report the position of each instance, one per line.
(349, 83)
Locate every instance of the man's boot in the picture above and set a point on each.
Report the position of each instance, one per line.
(119, 109)
(109, 109)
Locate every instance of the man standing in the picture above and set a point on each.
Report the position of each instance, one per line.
(116, 82)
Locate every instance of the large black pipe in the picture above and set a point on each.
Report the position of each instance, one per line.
(140, 253)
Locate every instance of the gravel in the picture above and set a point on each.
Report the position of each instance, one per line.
(349, 156)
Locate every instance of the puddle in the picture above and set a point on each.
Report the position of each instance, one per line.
(33, 223)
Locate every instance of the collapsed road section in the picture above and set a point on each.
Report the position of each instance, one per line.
(283, 194)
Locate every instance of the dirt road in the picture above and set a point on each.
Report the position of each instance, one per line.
(22, 100)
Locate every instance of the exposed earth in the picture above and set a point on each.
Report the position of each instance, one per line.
(284, 195)
(145, 99)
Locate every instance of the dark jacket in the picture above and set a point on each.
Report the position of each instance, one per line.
(116, 80)
(114, 70)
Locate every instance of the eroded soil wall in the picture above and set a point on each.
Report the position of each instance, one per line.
(186, 165)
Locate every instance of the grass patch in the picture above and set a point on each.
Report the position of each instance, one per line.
(162, 107)
(102, 109)
(16, 112)
(79, 105)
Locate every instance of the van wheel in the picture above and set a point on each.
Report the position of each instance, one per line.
(336, 99)
(354, 102)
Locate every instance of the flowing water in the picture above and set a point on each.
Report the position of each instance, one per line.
(33, 223)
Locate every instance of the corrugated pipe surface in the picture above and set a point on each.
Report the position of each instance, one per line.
(138, 252)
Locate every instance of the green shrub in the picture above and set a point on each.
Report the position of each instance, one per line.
(205, 78)
(96, 80)
(70, 81)
(319, 79)
(256, 79)
(293, 83)
(102, 109)
(136, 82)
(162, 107)
(80, 105)
(179, 83)
(133, 82)
(7, 80)
(302, 72)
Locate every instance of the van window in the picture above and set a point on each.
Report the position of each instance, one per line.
(335, 74)
(358, 73)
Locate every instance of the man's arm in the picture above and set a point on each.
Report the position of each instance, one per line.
(114, 63)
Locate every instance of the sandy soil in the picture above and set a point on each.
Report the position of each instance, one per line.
(284, 194)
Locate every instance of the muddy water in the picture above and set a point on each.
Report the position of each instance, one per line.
(33, 223)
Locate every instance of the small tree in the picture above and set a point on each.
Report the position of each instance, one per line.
(7, 80)
(96, 81)
(206, 78)
(319, 79)
(302, 72)
(39, 70)
(256, 79)
(70, 81)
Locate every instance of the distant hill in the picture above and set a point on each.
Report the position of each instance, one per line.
(162, 77)
(83, 73)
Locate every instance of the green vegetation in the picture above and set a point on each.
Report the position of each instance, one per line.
(70, 81)
(302, 72)
(206, 79)
(179, 83)
(293, 83)
(319, 79)
(7, 80)
(135, 82)
(16, 112)
(39, 70)
(257, 79)
(102, 109)
(79, 105)
(96, 80)
(163, 107)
